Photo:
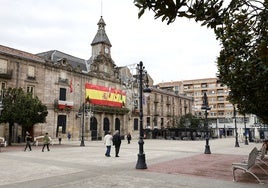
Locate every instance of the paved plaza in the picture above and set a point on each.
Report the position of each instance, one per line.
(169, 165)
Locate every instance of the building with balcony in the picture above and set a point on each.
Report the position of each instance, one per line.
(59, 80)
(221, 114)
(88, 97)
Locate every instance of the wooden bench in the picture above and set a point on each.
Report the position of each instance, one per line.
(39, 140)
(246, 166)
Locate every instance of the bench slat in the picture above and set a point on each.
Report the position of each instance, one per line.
(246, 166)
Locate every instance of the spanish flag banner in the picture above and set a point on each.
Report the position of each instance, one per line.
(106, 96)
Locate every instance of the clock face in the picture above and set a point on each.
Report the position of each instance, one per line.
(106, 50)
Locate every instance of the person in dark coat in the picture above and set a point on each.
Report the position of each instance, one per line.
(28, 141)
(117, 142)
(128, 138)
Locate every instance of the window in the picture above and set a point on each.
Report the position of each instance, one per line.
(136, 124)
(148, 121)
(3, 66)
(204, 85)
(62, 94)
(31, 71)
(61, 125)
(3, 85)
(176, 88)
(30, 89)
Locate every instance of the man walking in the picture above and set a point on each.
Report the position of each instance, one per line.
(117, 142)
(46, 142)
(28, 141)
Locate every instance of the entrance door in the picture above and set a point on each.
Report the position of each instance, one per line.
(93, 128)
(106, 125)
(61, 125)
(117, 124)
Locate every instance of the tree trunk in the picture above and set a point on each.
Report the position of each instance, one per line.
(10, 133)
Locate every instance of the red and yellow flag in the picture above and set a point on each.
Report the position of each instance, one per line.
(106, 96)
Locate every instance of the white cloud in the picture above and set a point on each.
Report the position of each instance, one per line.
(182, 50)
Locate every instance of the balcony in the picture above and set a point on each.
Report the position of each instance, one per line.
(6, 74)
(31, 77)
(64, 104)
(60, 105)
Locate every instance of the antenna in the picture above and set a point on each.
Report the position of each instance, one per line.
(101, 7)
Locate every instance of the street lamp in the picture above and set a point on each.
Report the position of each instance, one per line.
(236, 134)
(206, 108)
(81, 112)
(1, 102)
(83, 125)
(245, 123)
(141, 164)
(185, 126)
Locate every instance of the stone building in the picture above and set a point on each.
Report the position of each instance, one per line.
(85, 97)
(221, 114)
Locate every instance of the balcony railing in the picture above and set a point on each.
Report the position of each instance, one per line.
(7, 74)
(63, 105)
(31, 77)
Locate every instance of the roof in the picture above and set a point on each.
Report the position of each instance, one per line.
(170, 93)
(20, 54)
(56, 56)
(101, 36)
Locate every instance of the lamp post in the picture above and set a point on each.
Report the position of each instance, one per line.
(206, 108)
(1, 102)
(185, 126)
(245, 123)
(83, 125)
(236, 134)
(141, 163)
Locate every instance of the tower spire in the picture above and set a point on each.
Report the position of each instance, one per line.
(101, 36)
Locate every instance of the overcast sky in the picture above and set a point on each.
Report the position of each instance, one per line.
(181, 51)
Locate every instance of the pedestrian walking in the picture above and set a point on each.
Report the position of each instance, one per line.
(69, 136)
(117, 142)
(128, 138)
(108, 140)
(46, 141)
(28, 141)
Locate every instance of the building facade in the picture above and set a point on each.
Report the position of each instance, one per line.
(221, 114)
(64, 84)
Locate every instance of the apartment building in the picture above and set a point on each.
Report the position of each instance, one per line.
(221, 114)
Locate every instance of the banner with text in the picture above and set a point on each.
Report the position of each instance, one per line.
(106, 96)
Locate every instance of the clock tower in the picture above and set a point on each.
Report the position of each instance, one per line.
(100, 62)
(101, 44)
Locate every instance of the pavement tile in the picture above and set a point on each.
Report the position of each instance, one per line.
(215, 166)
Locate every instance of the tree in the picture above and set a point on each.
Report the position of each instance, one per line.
(189, 121)
(242, 28)
(22, 108)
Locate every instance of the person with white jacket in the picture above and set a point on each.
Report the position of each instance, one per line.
(108, 142)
